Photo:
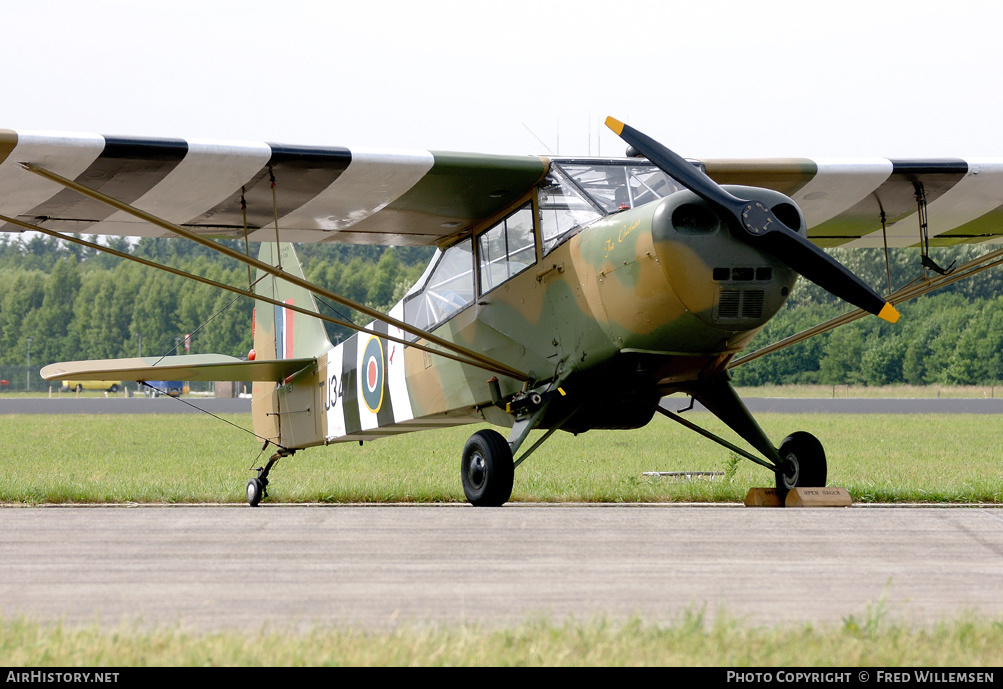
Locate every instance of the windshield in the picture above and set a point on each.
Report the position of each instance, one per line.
(618, 185)
(562, 208)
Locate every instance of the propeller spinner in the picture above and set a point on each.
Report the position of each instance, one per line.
(757, 225)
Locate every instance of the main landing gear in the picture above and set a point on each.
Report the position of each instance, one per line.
(487, 469)
(800, 460)
(802, 463)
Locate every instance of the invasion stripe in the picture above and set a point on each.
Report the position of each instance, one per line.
(973, 207)
(839, 185)
(301, 173)
(460, 190)
(896, 196)
(350, 384)
(372, 181)
(144, 162)
(396, 368)
(204, 179)
(385, 416)
(65, 154)
(428, 423)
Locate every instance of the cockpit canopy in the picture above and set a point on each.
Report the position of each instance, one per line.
(575, 193)
(618, 185)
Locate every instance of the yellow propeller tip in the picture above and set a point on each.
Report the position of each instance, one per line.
(615, 124)
(889, 313)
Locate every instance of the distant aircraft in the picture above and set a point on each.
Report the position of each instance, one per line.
(566, 293)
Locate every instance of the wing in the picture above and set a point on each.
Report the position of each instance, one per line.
(407, 197)
(843, 200)
(187, 367)
(416, 198)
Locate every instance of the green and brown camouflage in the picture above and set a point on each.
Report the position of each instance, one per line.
(566, 294)
(634, 295)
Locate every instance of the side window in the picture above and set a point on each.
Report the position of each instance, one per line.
(507, 249)
(449, 288)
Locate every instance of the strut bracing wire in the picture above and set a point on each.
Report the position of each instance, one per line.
(275, 212)
(215, 416)
(195, 332)
(924, 233)
(884, 235)
(455, 350)
(247, 244)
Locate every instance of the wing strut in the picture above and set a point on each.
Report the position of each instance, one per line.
(471, 356)
(236, 290)
(916, 288)
(924, 233)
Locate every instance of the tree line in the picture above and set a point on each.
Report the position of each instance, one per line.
(951, 337)
(76, 303)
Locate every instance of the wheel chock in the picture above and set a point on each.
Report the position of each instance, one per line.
(763, 497)
(799, 497)
(818, 497)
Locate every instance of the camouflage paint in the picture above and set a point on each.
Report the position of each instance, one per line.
(628, 293)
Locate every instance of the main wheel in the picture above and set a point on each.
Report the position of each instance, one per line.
(79, 388)
(487, 470)
(113, 388)
(803, 463)
(255, 490)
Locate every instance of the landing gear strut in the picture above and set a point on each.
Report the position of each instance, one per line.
(800, 460)
(802, 463)
(487, 470)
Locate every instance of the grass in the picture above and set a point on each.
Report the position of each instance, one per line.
(818, 391)
(190, 458)
(857, 391)
(691, 641)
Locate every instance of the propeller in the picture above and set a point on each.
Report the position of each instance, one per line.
(754, 223)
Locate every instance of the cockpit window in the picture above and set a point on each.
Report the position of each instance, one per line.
(449, 288)
(562, 209)
(507, 248)
(615, 186)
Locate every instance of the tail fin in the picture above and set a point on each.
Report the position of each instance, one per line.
(281, 333)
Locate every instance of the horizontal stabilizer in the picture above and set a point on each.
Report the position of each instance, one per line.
(191, 367)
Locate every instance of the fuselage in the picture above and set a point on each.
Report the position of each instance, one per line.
(616, 307)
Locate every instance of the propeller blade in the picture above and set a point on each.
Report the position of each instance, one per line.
(816, 265)
(754, 223)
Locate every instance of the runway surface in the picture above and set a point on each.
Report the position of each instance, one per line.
(783, 405)
(211, 567)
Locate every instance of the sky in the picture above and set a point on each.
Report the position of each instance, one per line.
(707, 78)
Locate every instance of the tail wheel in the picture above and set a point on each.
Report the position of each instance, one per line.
(255, 492)
(487, 470)
(802, 463)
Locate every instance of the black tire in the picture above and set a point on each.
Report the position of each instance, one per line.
(254, 492)
(803, 463)
(487, 470)
(113, 388)
(79, 388)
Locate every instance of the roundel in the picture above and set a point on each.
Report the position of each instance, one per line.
(372, 375)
